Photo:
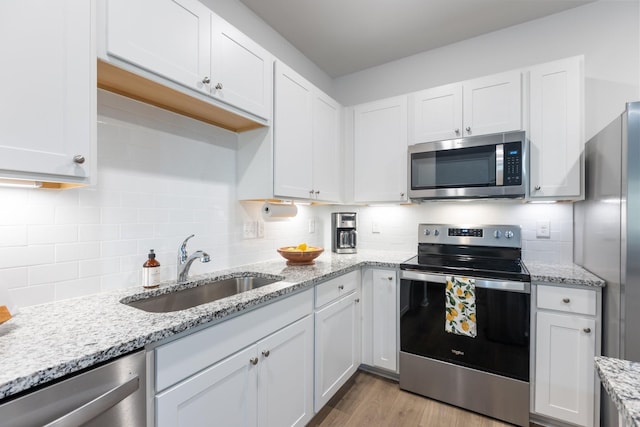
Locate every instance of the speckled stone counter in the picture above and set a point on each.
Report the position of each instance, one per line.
(621, 380)
(45, 342)
(563, 274)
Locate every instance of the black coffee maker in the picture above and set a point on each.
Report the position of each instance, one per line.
(343, 232)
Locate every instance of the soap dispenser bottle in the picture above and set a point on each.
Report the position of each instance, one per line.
(151, 271)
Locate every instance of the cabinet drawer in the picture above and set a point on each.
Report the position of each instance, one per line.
(570, 300)
(334, 288)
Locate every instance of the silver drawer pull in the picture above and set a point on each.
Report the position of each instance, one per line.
(266, 353)
(566, 300)
(341, 287)
(253, 360)
(357, 300)
(587, 330)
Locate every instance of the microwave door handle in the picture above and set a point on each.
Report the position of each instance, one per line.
(499, 165)
(354, 234)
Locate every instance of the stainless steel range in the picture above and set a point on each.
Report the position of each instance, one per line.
(464, 319)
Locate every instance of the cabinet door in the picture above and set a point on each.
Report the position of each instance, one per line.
(384, 320)
(337, 346)
(436, 114)
(565, 372)
(292, 135)
(170, 38)
(492, 104)
(326, 148)
(556, 134)
(225, 393)
(380, 151)
(47, 81)
(241, 70)
(285, 379)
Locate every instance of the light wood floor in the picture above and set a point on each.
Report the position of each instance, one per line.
(371, 401)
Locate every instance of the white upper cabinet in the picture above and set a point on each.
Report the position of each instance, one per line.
(492, 104)
(179, 47)
(171, 38)
(306, 139)
(481, 106)
(326, 148)
(380, 151)
(47, 81)
(241, 70)
(292, 134)
(556, 131)
(436, 113)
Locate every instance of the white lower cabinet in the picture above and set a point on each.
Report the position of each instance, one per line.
(337, 335)
(380, 319)
(205, 379)
(567, 340)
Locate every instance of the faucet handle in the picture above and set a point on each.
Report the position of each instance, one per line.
(182, 252)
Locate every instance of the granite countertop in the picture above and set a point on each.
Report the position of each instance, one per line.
(621, 379)
(48, 341)
(563, 274)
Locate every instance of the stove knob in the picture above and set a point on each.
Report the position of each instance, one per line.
(426, 232)
(497, 234)
(508, 234)
(436, 232)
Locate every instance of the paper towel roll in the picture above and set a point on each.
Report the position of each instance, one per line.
(278, 210)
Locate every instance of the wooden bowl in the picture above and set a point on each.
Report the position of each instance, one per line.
(298, 257)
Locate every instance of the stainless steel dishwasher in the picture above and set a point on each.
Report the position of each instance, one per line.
(113, 394)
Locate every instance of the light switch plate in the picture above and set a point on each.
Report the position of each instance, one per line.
(375, 227)
(312, 225)
(543, 229)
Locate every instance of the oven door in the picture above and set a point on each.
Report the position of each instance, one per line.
(501, 344)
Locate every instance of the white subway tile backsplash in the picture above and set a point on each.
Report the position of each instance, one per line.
(98, 232)
(77, 288)
(31, 295)
(51, 273)
(118, 248)
(14, 277)
(13, 235)
(77, 251)
(136, 231)
(77, 215)
(50, 234)
(119, 215)
(22, 256)
(99, 267)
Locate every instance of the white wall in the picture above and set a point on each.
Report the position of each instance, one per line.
(606, 32)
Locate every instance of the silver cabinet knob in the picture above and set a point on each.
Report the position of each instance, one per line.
(401, 194)
(468, 129)
(357, 300)
(206, 80)
(218, 86)
(566, 300)
(78, 159)
(317, 192)
(390, 278)
(537, 188)
(266, 353)
(457, 131)
(253, 360)
(587, 330)
(341, 287)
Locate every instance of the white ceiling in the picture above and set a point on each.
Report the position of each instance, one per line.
(345, 36)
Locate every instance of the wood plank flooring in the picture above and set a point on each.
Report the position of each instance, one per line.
(372, 401)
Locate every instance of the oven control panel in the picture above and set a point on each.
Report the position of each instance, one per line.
(476, 235)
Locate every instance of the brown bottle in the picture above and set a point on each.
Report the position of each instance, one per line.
(151, 271)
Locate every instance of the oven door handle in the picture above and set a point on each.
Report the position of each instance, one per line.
(501, 285)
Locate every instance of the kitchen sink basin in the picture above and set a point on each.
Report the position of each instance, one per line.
(201, 294)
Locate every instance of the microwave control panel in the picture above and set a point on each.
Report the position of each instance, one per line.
(513, 163)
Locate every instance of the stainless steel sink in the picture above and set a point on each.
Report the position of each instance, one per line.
(204, 293)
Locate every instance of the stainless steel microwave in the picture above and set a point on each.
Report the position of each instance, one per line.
(487, 166)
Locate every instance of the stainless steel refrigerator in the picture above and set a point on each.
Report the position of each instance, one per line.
(607, 235)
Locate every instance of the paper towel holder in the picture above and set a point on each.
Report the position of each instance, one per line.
(279, 210)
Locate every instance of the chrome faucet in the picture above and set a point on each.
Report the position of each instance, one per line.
(185, 261)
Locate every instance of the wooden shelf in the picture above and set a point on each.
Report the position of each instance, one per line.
(126, 83)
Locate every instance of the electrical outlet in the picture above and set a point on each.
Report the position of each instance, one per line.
(375, 227)
(249, 230)
(543, 229)
(260, 229)
(312, 225)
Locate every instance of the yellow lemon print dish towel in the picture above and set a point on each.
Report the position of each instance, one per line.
(460, 297)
